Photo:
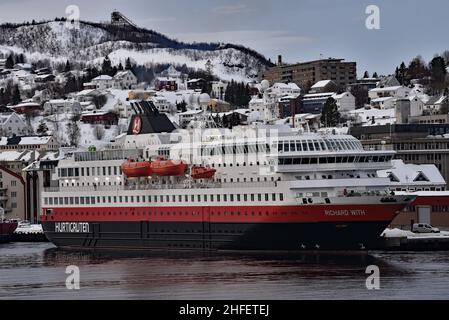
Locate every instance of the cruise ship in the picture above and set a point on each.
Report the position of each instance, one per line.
(255, 187)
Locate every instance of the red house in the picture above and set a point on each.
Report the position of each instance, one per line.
(100, 117)
(168, 84)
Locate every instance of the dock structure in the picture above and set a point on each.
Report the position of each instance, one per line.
(119, 19)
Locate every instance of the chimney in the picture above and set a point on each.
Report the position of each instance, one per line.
(279, 60)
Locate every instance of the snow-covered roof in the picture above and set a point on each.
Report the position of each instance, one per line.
(190, 112)
(341, 95)
(122, 74)
(318, 95)
(87, 92)
(321, 84)
(34, 140)
(102, 78)
(409, 174)
(384, 89)
(383, 99)
(166, 79)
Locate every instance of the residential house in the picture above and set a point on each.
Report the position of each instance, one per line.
(435, 103)
(186, 117)
(45, 78)
(61, 106)
(168, 84)
(171, 72)
(395, 92)
(124, 80)
(27, 108)
(29, 143)
(100, 117)
(162, 104)
(103, 82)
(324, 86)
(314, 103)
(13, 125)
(196, 84)
(219, 89)
(283, 89)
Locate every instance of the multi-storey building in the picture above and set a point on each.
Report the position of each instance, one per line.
(305, 74)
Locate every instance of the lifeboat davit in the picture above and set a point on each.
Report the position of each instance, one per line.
(135, 169)
(168, 168)
(202, 172)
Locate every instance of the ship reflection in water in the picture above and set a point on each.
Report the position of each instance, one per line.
(37, 271)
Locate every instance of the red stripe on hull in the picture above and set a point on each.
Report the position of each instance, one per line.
(230, 214)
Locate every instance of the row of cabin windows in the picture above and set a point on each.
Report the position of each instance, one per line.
(91, 171)
(318, 145)
(333, 160)
(164, 199)
(235, 149)
(179, 213)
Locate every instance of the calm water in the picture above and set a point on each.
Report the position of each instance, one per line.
(37, 271)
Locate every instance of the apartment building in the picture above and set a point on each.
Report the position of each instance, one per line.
(305, 74)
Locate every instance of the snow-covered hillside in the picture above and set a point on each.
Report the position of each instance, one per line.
(90, 43)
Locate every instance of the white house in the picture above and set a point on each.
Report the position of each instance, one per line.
(12, 124)
(282, 89)
(186, 117)
(60, 106)
(219, 89)
(171, 72)
(124, 80)
(395, 92)
(323, 86)
(103, 82)
(265, 106)
(162, 104)
(383, 103)
(345, 101)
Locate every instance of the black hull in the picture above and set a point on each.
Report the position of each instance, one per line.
(148, 236)
(5, 238)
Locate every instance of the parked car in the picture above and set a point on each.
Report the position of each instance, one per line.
(424, 228)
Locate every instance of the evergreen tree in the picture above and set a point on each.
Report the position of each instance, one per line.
(438, 73)
(128, 65)
(401, 74)
(330, 117)
(42, 128)
(9, 62)
(67, 67)
(375, 75)
(15, 95)
(106, 68)
(70, 85)
(366, 75)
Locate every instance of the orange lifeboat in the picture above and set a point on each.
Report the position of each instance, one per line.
(168, 168)
(133, 169)
(202, 173)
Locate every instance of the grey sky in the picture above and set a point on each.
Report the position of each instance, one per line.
(300, 30)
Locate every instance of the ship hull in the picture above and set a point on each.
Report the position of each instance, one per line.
(6, 231)
(278, 230)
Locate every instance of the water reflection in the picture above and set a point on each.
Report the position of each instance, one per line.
(38, 271)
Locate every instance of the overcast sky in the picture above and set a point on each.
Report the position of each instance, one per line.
(300, 30)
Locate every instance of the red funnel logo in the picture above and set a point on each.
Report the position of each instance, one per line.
(137, 125)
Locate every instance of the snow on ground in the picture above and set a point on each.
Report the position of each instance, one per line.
(398, 233)
(29, 229)
(192, 58)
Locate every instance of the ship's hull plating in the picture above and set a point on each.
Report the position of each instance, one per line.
(147, 235)
(6, 231)
(226, 228)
